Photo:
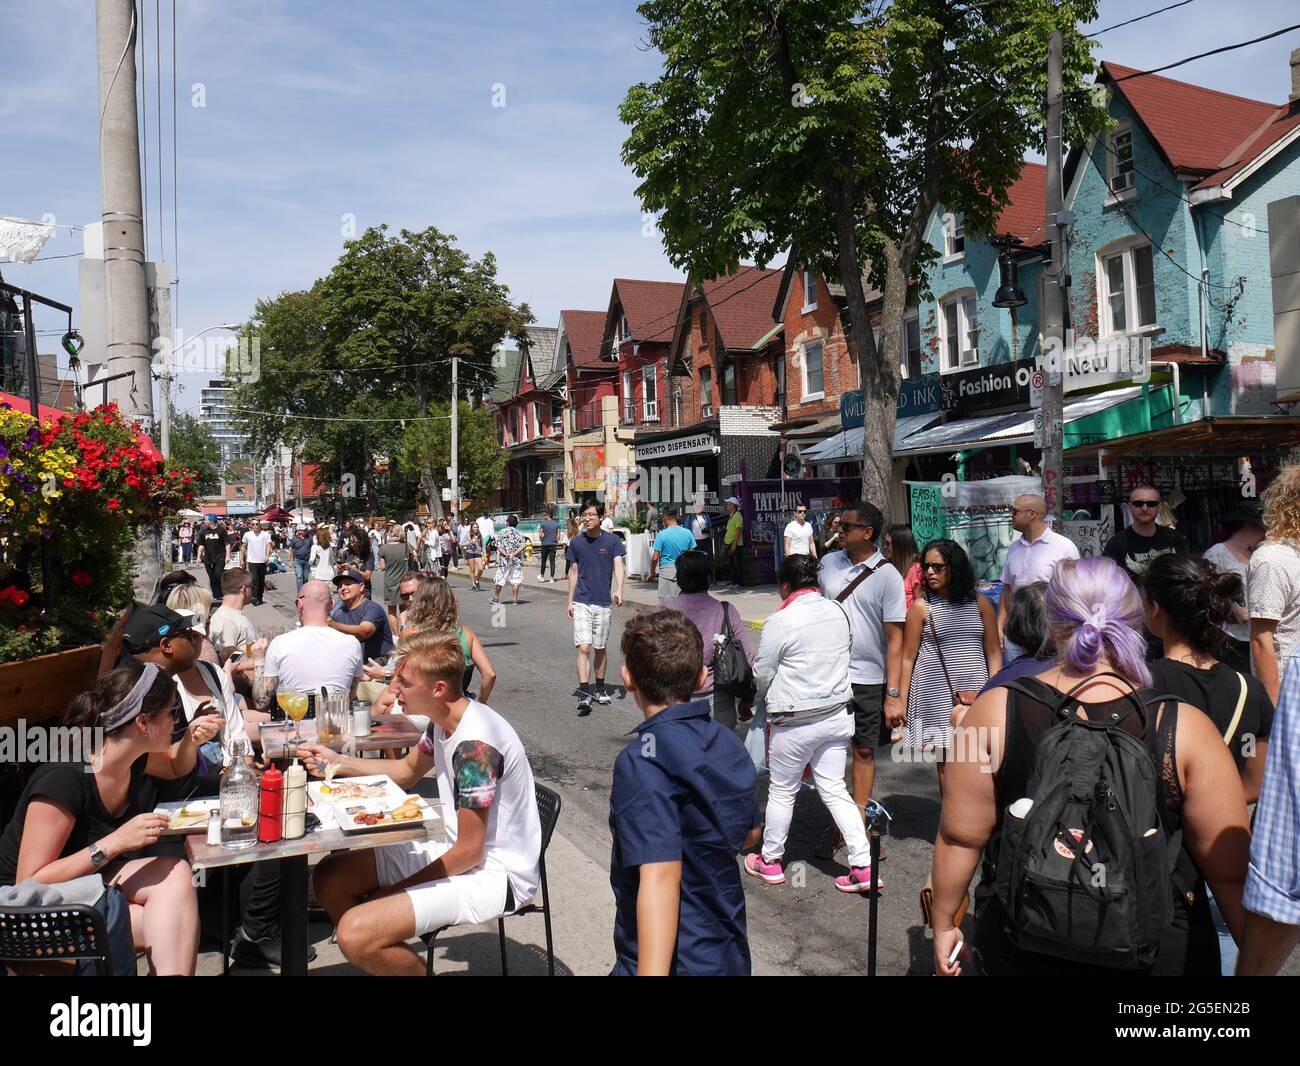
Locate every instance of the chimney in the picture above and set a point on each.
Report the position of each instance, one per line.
(1295, 76)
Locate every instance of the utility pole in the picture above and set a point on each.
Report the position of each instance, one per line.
(1054, 294)
(126, 311)
(455, 438)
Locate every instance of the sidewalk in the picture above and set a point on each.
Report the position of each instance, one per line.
(754, 604)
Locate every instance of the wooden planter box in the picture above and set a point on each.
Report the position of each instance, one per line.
(40, 689)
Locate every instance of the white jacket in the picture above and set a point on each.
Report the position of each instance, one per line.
(802, 664)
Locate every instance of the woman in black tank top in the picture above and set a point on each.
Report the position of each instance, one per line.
(1095, 617)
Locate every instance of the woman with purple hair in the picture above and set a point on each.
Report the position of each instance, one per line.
(1094, 615)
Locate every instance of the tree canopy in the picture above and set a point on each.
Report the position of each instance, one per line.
(837, 128)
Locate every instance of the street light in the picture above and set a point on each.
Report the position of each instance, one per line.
(1009, 293)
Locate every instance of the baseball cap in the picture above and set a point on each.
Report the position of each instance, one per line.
(734, 499)
(350, 575)
(147, 627)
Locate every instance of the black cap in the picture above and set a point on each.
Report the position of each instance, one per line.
(149, 625)
(350, 575)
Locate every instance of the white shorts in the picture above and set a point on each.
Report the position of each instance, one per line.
(511, 572)
(465, 899)
(591, 624)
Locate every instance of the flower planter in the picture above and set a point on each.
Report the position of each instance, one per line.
(40, 689)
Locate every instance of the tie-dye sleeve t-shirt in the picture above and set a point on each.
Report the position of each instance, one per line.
(482, 766)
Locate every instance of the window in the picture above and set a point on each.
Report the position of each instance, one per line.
(650, 403)
(911, 343)
(501, 430)
(813, 383)
(1128, 290)
(954, 235)
(809, 291)
(624, 332)
(960, 333)
(706, 392)
(523, 424)
(537, 419)
(629, 404)
(729, 385)
(1119, 162)
(704, 329)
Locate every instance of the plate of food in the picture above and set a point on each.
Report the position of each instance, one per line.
(387, 813)
(373, 787)
(187, 816)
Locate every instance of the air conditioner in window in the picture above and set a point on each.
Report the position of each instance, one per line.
(706, 411)
(1122, 181)
(970, 357)
(651, 413)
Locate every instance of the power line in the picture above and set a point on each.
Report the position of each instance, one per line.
(176, 239)
(142, 81)
(1203, 55)
(1149, 14)
(157, 66)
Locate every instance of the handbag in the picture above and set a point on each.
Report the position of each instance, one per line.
(731, 669)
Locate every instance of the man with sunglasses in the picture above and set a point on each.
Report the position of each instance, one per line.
(1135, 547)
(1031, 557)
(800, 534)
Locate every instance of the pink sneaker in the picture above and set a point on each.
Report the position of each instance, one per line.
(770, 872)
(858, 879)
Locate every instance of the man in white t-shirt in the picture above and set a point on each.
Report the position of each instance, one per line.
(380, 899)
(256, 552)
(487, 528)
(313, 655)
(800, 538)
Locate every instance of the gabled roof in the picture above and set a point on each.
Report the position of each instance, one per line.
(541, 354)
(834, 288)
(1202, 131)
(742, 305)
(650, 306)
(584, 330)
(506, 384)
(1026, 209)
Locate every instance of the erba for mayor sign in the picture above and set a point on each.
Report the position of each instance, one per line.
(987, 388)
(916, 396)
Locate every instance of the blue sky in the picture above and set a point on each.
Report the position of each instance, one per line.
(383, 110)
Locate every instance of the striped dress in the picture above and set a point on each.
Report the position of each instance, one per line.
(929, 701)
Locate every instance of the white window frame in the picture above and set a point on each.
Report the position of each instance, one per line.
(914, 315)
(805, 395)
(625, 334)
(1113, 171)
(649, 384)
(951, 253)
(966, 302)
(809, 282)
(537, 418)
(629, 401)
(1126, 252)
(706, 409)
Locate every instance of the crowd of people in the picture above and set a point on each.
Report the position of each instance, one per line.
(1099, 734)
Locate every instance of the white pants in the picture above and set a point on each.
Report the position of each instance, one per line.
(465, 899)
(824, 746)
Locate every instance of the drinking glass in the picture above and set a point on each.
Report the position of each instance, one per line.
(295, 706)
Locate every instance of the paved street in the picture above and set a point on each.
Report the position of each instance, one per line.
(809, 928)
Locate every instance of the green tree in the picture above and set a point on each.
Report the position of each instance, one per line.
(836, 128)
(426, 445)
(194, 447)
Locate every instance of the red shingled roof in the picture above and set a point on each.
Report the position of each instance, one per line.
(651, 307)
(585, 330)
(1198, 129)
(1026, 209)
(742, 304)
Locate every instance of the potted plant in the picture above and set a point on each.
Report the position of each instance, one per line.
(77, 489)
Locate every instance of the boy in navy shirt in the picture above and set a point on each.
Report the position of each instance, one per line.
(682, 807)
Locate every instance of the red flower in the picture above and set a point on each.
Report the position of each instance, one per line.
(113, 504)
(82, 579)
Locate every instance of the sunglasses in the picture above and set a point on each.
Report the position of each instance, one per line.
(853, 525)
(1144, 503)
(936, 567)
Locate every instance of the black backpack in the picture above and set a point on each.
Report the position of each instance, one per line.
(1085, 873)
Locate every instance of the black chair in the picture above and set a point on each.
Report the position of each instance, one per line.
(68, 933)
(548, 811)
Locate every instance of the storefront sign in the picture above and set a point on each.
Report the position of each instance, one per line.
(588, 467)
(1090, 364)
(661, 449)
(916, 396)
(928, 519)
(987, 388)
(768, 505)
(852, 409)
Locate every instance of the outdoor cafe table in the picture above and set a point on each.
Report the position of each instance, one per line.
(386, 731)
(293, 858)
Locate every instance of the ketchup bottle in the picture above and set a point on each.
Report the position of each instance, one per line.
(270, 827)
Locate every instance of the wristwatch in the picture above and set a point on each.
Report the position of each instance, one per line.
(892, 693)
(97, 855)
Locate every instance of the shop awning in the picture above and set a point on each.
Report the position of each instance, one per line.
(1231, 435)
(848, 444)
(1017, 427)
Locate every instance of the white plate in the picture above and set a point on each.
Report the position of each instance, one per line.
(196, 805)
(378, 787)
(346, 811)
